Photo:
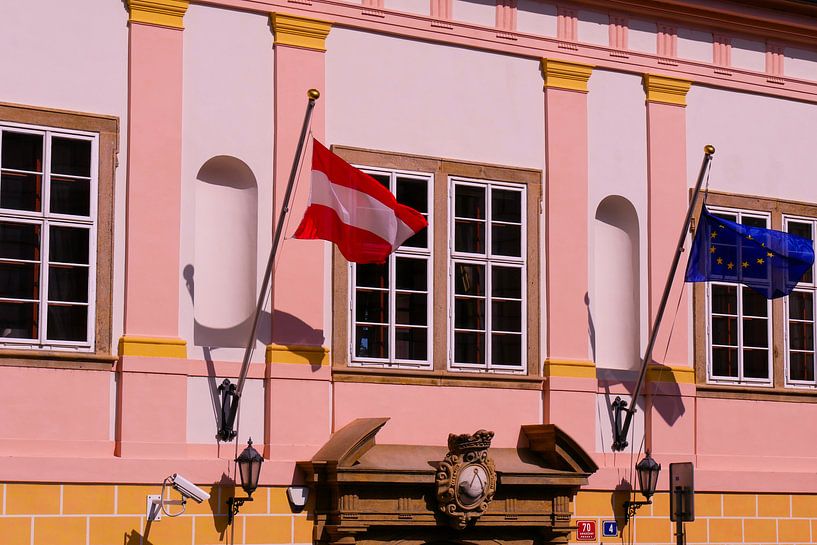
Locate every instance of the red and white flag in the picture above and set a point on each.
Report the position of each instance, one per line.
(353, 210)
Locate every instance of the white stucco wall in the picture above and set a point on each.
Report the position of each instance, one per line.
(478, 12)
(694, 44)
(228, 110)
(419, 98)
(800, 63)
(68, 64)
(642, 36)
(748, 54)
(592, 27)
(764, 146)
(617, 146)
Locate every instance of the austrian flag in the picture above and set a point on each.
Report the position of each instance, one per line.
(353, 210)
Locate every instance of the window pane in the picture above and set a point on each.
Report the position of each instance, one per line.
(22, 151)
(418, 240)
(725, 300)
(70, 156)
(469, 201)
(753, 222)
(413, 193)
(506, 240)
(469, 313)
(469, 236)
(755, 332)
(506, 205)
(754, 304)
(371, 342)
(801, 305)
(801, 335)
(803, 230)
(19, 280)
(506, 349)
(383, 179)
(469, 347)
(411, 343)
(724, 330)
(21, 191)
(68, 245)
(411, 274)
(725, 215)
(506, 282)
(756, 363)
(20, 241)
(372, 306)
(801, 366)
(373, 276)
(468, 279)
(411, 309)
(506, 316)
(70, 196)
(68, 284)
(725, 362)
(19, 320)
(67, 323)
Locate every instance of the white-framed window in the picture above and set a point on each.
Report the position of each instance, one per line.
(739, 320)
(487, 275)
(48, 211)
(391, 304)
(799, 315)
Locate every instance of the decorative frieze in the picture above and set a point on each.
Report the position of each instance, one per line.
(566, 27)
(167, 13)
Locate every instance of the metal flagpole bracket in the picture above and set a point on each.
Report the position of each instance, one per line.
(619, 406)
(231, 393)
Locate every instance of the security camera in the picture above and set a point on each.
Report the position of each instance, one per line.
(188, 489)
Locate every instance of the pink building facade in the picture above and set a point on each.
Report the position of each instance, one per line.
(145, 147)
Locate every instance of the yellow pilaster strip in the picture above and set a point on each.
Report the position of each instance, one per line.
(168, 13)
(300, 31)
(670, 373)
(666, 90)
(303, 355)
(572, 76)
(569, 368)
(152, 347)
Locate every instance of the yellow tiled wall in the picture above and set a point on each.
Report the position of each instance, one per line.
(719, 518)
(52, 514)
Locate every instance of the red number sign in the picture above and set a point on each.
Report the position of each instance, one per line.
(586, 530)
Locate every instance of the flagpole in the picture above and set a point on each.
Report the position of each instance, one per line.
(619, 405)
(231, 393)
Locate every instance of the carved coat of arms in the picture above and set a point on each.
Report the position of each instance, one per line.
(466, 479)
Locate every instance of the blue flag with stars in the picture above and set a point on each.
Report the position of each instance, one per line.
(768, 261)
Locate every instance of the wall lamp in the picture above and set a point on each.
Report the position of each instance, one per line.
(249, 468)
(648, 470)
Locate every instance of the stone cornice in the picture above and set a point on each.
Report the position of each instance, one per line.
(167, 13)
(666, 90)
(571, 76)
(301, 32)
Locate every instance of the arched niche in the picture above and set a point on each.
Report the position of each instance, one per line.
(615, 296)
(225, 268)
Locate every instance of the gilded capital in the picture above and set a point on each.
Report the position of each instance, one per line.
(167, 13)
(300, 31)
(666, 90)
(572, 76)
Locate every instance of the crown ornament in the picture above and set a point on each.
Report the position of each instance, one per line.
(479, 440)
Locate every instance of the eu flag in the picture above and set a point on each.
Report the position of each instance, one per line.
(768, 261)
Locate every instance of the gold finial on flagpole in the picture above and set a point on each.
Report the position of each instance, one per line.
(709, 149)
(314, 94)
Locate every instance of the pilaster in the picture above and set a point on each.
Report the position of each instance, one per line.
(570, 400)
(298, 315)
(149, 422)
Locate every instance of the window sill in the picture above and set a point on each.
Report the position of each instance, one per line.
(53, 359)
(381, 375)
(757, 393)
